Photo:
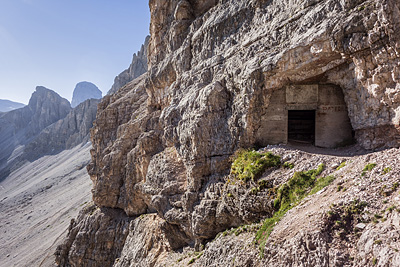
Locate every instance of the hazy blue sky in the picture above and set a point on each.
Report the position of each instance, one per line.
(58, 43)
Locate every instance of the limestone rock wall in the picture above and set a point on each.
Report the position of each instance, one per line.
(163, 142)
(96, 238)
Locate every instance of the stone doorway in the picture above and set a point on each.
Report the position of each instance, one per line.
(311, 113)
(301, 126)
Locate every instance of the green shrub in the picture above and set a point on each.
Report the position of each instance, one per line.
(250, 164)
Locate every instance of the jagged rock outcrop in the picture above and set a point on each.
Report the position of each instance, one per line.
(19, 127)
(137, 68)
(45, 107)
(66, 133)
(163, 142)
(149, 241)
(84, 91)
(7, 105)
(96, 238)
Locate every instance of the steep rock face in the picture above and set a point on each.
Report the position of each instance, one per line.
(149, 241)
(66, 133)
(7, 105)
(18, 127)
(137, 68)
(163, 142)
(84, 91)
(95, 239)
(46, 107)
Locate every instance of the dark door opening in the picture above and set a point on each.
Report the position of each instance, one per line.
(301, 126)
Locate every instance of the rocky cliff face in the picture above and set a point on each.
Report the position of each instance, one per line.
(84, 91)
(45, 107)
(137, 68)
(162, 143)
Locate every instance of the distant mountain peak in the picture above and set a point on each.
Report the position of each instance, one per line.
(83, 91)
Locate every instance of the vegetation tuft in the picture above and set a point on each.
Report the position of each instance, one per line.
(386, 170)
(296, 188)
(341, 165)
(289, 195)
(250, 164)
(342, 219)
(196, 256)
(288, 165)
(368, 167)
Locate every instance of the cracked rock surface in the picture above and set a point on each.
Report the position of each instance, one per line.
(162, 143)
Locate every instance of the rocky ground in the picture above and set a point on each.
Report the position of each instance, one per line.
(37, 203)
(307, 236)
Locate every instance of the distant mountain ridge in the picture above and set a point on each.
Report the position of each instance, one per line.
(47, 125)
(66, 133)
(18, 127)
(8, 105)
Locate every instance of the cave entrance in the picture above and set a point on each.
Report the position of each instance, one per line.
(301, 126)
(308, 113)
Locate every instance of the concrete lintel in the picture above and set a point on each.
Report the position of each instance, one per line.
(302, 107)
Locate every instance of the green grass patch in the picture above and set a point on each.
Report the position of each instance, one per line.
(341, 165)
(369, 167)
(289, 195)
(296, 188)
(321, 183)
(342, 219)
(250, 164)
(288, 165)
